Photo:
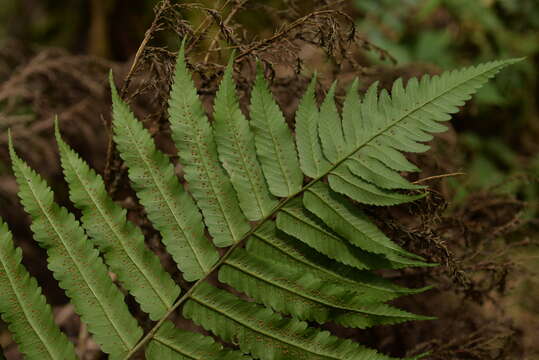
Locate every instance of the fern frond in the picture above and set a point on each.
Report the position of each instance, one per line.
(351, 118)
(312, 161)
(268, 243)
(170, 208)
(376, 173)
(302, 295)
(390, 157)
(309, 253)
(265, 334)
(76, 264)
(170, 343)
(207, 180)
(294, 220)
(400, 122)
(330, 128)
(121, 242)
(24, 308)
(352, 224)
(343, 181)
(235, 144)
(274, 143)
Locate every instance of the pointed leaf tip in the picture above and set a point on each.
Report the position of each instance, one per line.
(57, 128)
(113, 89)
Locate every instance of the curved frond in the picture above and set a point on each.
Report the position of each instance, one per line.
(301, 248)
(387, 124)
(25, 310)
(170, 208)
(122, 243)
(76, 264)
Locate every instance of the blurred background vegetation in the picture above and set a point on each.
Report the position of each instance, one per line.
(54, 56)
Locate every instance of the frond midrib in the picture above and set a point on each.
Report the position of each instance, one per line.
(169, 206)
(75, 260)
(102, 212)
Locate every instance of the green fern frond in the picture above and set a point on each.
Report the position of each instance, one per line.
(268, 243)
(207, 180)
(307, 255)
(170, 208)
(296, 221)
(235, 144)
(24, 308)
(121, 242)
(350, 223)
(312, 161)
(265, 334)
(170, 343)
(401, 122)
(302, 295)
(274, 143)
(330, 128)
(76, 264)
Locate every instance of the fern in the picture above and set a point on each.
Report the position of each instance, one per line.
(299, 247)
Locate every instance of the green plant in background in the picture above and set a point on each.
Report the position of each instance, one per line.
(283, 207)
(452, 32)
(495, 167)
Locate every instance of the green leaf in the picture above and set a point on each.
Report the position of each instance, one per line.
(207, 180)
(170, 343)
(343, 181)
(376, 173)
(121, 242)
(351, 118)
(302, 295)
(274, 143)
(265, 334)
(352, 224)
(330, 128)
(236, 147)
(312, 161)
(403, 119)
(294, 220)
(25, 309)
(268, 243)
(390, 157)
(76, 265)
(169, 207)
